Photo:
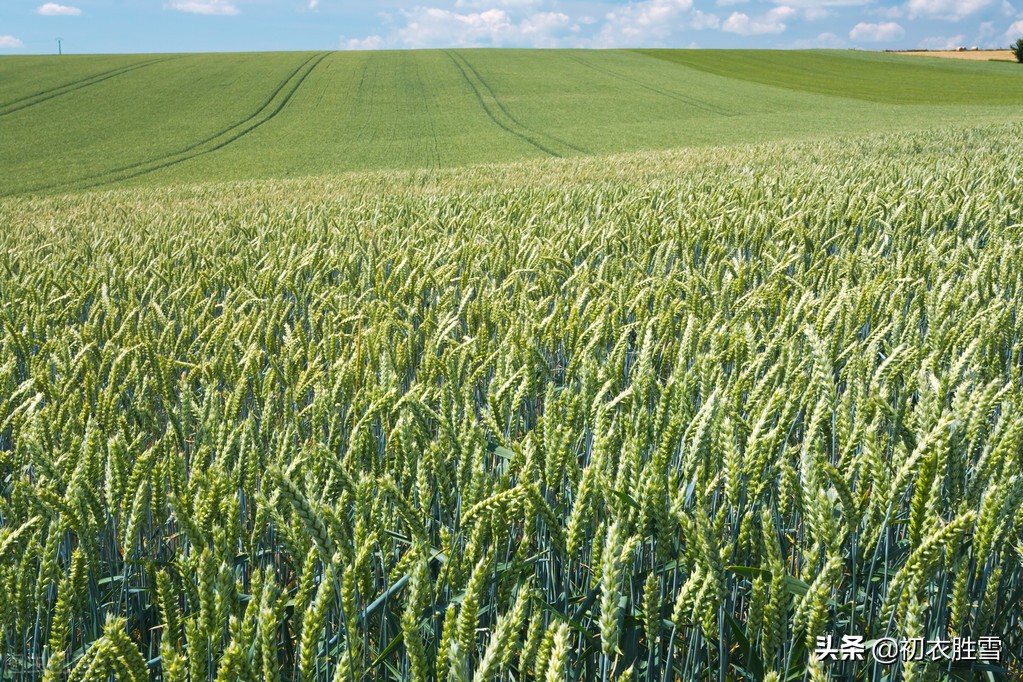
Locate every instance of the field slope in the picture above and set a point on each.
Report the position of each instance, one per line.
(74, 123)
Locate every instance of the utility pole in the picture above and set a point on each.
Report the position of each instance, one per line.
(59, 50)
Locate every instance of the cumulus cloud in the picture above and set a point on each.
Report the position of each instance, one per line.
(893, 12)
(52, 9)
(942, 43)
(224, 8)
(492, 4)
(367, 43)
(10, 42)
(989, 36)
(816, 13)
(432, 27)
(825, 39)
(651, 21)
(426, 27)
(818, 4)
(951, 10)
(771, 22)
(313, 4)
(876, 33)
(1015, 31)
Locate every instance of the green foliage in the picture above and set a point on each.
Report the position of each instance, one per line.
(1017, 50)
(670, 417)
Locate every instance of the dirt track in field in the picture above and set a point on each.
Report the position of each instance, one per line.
(980, 55)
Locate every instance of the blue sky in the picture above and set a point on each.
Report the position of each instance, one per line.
(128, 26)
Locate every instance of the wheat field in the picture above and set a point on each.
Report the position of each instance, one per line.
(659, 416)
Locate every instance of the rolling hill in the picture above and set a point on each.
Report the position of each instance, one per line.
(79, 122)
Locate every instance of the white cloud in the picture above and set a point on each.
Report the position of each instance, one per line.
(876, 33)
(952, 10)
(893, 12)
(650, 22)
(825, 39)
(368, 43)
(213, 7)
(491, 4)
(426, 27)
(729, 3)
(313, 4)
(1015, 31)
(771, 22)
(816, 13)
(52, 9)
(989, 37)
(942, 43)
(10, 42)
(703, 20)
(545, 24)
(816, 4)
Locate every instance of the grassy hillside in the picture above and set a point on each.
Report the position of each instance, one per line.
(78, 122)
(867, 76)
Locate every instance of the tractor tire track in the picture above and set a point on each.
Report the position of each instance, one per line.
(233, 136)
(357, 124)
(264, 114)
(434, 141)
(114, 71)
(691, 101)
(269, 100)
(497, 100)
(87, 80)
(511, 126)
(46, 95)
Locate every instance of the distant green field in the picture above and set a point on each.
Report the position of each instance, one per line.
(868, 76)
(71, 123)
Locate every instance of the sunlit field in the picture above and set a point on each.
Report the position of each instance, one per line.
(666, 415)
